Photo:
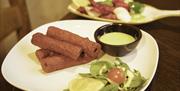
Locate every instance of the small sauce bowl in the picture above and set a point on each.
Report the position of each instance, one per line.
(122, 49)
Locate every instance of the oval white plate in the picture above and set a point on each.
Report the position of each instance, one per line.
(150, 14)
(21, 68)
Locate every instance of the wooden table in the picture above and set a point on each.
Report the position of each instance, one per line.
(167, 34)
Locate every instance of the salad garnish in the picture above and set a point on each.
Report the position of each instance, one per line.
(108, 75)
(124, 10)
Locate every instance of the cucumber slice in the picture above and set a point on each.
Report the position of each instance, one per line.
(85, 84)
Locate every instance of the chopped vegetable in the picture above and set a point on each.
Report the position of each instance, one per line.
(110, 87)
(136, 7)
(120, 3)
(116, 75)
(111, 9)
(108, 75)
(99, 68)
(122, 14)
(107, 2)
(85, 84)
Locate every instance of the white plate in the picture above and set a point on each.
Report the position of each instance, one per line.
(21, 68)
(149, 17)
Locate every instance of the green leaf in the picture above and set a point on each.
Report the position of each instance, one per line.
(101, 77)
(138, 80)
(86, 75)
(136, 7)
(99, 67)
(110, 87)
(121, 64)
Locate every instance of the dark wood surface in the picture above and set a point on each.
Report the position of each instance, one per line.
(24, 17)
(167, 34)
(13, 18)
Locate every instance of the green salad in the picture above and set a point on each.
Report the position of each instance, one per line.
(124, 10)
(108, 75)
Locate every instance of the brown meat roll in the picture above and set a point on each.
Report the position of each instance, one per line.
(43, 53)
(57, 62)
(58, 46)
(91, 48)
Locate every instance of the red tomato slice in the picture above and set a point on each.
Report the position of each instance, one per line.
(116, 75)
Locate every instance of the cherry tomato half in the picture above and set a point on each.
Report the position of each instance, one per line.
(116, 75)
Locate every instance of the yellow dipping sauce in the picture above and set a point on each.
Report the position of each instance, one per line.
(116, 38)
